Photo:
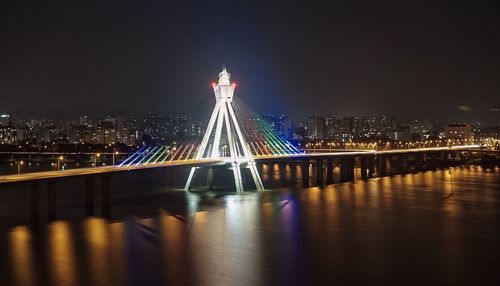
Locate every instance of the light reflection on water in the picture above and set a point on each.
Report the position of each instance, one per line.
(22, 260)
(96, 237)
(432, 227)
(62, 262)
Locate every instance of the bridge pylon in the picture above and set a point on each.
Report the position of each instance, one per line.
(224, 131)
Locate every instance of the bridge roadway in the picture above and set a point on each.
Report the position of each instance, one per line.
(472, 148)
(35, 176)
(51, 175)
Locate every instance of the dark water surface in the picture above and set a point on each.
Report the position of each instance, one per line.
(425, 228)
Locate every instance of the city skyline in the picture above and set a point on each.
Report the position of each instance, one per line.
(463, 116)
(154, 128)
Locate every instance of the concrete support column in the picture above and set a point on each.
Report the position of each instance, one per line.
(390, 165)
(350, 171)
(346, 169)
(89, 196)
(35, 200)
(329, 171)
(419, 161)
(35, 197)
(446, 158)
(371, 166)
(106, 196)
(319, 172)
(210, 178)
(431, 162)
(270, 169)
(293, 170)
(282, 172)
(305, 173)
(382, 165)
(259, 167)
(51, 200)
(364, 167)
(403, 163)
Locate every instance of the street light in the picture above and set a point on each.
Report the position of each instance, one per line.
(19, 166)
(97, 155)
(59, 162)
(116, 153)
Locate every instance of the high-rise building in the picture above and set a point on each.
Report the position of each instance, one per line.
(4, 118)
(280, 123)
(458, 131)
(8, 134)
(330, 127)
(316, 127)
(347, 128)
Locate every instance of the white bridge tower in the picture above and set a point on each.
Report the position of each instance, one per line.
(223, 119)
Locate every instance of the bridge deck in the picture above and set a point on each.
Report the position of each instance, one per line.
(217, 161)
(101, 170)
(471, 148)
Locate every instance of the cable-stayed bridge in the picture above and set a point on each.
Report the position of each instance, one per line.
(235, 134)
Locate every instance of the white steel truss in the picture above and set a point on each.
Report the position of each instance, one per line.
(223, 118)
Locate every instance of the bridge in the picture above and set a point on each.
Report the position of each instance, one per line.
(238, 139)
(316, 165)
(106, 170)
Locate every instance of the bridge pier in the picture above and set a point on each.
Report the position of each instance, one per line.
(210, 178)
(350, 170)
(89, 196)
(270, 170)
(305, 173)
(51, 200)
(329, 171)
(391, 165)
(365, 167)
(446, 158)
(382, 165)
(319, 172)
(431, 162)
(35, 202)
(282, 172)
(346, 169)
(403, 163)
(106, 196)
(293, 170)
(259, 166)
(371, 166)
(419, 161)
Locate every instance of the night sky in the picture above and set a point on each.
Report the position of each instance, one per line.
(400, 58)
